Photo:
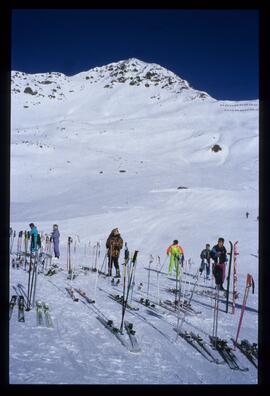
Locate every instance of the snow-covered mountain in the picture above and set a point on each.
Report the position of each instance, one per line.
(133, 145)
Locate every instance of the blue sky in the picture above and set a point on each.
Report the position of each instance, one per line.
(215, 50)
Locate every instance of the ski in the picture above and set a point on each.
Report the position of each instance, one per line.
(229, 276)
(119, 299)
(83, 294)
(39, 311)
(131, 333)
(47, 316)
(184, 306)
(71, 293)
(189, 338)
(114, 330)
(206, 348)
(21, 309)
(226, 353)
(12, 303)
(247, 351)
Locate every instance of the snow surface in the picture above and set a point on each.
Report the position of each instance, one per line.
(93, 152)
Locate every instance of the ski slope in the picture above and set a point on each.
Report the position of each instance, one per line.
(114, 147)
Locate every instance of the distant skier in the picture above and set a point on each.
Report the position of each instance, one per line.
(219, 255)
(176, 257)
(114, 244)
(34, 238)
(55, 235)
(247, 214)
(205, 263)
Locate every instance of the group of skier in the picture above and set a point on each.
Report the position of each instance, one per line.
(114, 244)
(36, 242)
(218, 254)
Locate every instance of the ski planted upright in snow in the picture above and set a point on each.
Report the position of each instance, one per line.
(47, 316)
(39, 312)
(21, 309)
(12, 303)
(133, 339)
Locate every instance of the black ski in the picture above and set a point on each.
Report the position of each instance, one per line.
(226, 353)
(21, 309)
(205, 346)
(12, 303)
(244, 347)
(83, 294)
(189, 338)
(119, 299)
(229, 277)
(131, 333)
(71, 293)
(114, 330)
(184, 306)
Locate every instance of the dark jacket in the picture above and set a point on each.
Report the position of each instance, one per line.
(206, 254)
(220, 252)
(114, 244)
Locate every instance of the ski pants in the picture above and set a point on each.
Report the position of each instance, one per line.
(113, 261)
(205, 264)
(56, 249)
(219, 273)
(174, 263)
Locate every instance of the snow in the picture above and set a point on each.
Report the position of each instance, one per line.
(66, 156)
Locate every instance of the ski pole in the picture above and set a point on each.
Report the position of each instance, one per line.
(97, 276)
(249, 284)
(178, 306)
(124, 291)
(36, 275)
(151, 259)
(134, 258)
(164, 262)
(158, 273)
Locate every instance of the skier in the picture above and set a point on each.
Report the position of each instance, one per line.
(55, 235)
(114, 244)
(34, 238)
(205, 256)
(176, 256)
(219, 255)
(247, 214)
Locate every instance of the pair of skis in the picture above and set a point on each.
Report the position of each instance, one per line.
(12, 304)
(199, 345)
(226, 353)
(121, 301)
(132, 345)
(183, 306)
(250, 351)
(43, 314)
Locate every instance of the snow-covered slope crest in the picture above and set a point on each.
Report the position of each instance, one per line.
(132, 75)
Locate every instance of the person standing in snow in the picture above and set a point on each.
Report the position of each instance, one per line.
(55, 236)
(176, 254)
(219, 255)
(34, 238)
(247, 214)
(114, 244)
(205, 256)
